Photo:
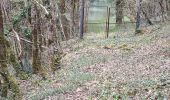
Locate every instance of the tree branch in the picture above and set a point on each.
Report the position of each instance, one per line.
(46, 11)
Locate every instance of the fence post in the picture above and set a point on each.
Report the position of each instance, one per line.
(108, 22)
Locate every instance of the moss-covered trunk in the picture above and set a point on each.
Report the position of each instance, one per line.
(55, 53)
(37, 44)
(9, 83)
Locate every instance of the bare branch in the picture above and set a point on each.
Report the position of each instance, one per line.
(46, 11)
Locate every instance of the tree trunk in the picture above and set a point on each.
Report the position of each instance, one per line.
(8, 81)
(82, 19)
(72, 23)
(119, 12)
(64, 20)
(37, 44)
(138, 16)
(29, 11)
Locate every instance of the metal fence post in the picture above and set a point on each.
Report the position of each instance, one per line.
(108, 22)
(106, 29)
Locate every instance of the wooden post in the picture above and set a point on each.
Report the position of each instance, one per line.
(82, 19)
(138, 17)
(106, 28)
(108, 23)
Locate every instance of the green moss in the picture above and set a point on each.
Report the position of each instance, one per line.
(4, 88)
(19, 72)
(14, 87)
(138, 32)
(22, 75)
(17, 18)
(9, 83)
(11, 55)
(56, 62)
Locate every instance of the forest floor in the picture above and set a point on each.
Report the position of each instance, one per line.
(124, 66)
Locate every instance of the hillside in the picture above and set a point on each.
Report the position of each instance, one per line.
(125, 66)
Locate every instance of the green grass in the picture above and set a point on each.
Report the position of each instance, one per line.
(73, 77)
(72, 80)
(87, 60)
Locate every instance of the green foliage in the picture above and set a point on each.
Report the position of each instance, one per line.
(78, 77)
(17, 18)
(27, 32)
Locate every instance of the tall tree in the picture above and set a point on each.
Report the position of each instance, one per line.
(9, 83)
(37, 43)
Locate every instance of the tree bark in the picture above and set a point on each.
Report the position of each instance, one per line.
(138, 16)
(119, 12)
(64, 20)
(82, 19)
(37, 44)
(72, 24)
(8, 81)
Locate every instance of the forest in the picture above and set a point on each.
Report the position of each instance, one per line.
(84, 49)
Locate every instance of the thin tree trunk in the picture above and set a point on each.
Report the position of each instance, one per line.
(64, 20)
(82, 19)
(138, 16)
(72, 30)
(119, 12)
(29, 11)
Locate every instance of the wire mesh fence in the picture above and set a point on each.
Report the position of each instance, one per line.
(101, 19)
(96, 19)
